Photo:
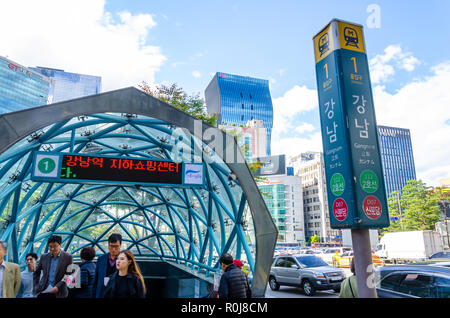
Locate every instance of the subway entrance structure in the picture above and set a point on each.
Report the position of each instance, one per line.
(177, 231)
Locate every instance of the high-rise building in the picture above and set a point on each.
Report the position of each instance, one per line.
(397, 157)
(238, 99)
(251, 138)
(310, 168)
(283, 197)
(70, 85)
(21, 87)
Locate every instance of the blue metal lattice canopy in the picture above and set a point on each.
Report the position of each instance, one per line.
(187, 225)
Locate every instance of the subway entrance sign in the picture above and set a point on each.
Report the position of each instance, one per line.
(354, 175)
(80, 168)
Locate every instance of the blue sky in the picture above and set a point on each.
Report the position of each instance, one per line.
(185, 42)
(263, 37)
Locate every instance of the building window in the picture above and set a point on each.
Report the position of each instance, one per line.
(250, 96)
(242, 117)
(251, 107)
(242, 96)
(242, 106)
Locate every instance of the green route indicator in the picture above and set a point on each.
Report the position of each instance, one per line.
(369, 181)
(337, 184)
(46, 165)
(354, 175)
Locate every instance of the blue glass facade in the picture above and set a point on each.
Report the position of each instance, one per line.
(238, 99)
(71, 85)
(397, 157)
(21, 88)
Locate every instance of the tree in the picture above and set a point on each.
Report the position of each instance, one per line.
(314, 239)
(419, 204)
(175, 96)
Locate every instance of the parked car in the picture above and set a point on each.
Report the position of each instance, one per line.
(306, 271)
(441, 255)
(433, 263)
(344, 260)
(306, 251)
(413, 281)
(329, 253)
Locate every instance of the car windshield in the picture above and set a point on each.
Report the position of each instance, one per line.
(311, 261)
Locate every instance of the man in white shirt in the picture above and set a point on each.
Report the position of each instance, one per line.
(26, 287)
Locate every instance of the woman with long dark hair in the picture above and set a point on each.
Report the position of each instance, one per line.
(127, 281)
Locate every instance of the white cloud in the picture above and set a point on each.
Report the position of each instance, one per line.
(306, 127)
(423, 108)
(81, 37)
(294, 145)
(196, 74)
(295, 101)
(382, 66)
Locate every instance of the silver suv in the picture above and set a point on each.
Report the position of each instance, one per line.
(307, 271)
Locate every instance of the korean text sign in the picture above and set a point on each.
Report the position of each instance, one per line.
(354, 176)
(80, 168)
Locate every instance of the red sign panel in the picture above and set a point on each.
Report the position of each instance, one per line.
(340, 209)
(372, 207)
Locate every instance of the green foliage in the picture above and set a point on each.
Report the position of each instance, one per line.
(419, 205)
(175, 96)
(314, 239)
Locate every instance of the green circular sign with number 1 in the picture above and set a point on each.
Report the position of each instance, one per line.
(46, 165)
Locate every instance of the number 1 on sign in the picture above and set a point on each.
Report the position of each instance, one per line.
(326, 70)
(354, 63)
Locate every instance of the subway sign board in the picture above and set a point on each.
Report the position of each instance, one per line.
(80, 168)
(354, 175)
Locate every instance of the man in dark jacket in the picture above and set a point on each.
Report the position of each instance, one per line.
(54, 266)
(106, 265)
(233, 283)
(87, 273)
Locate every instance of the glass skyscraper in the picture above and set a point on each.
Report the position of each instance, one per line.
(70, 85)
(21, 87)
(238, 99)
(397, 157)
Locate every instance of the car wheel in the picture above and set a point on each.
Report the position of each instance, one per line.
(273, 284)
(337, 289)
(308, 288)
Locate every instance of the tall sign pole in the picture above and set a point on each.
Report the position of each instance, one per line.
(354, 175)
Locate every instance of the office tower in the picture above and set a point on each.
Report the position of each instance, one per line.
(284, 199)
(237, 99)
(70, 85)
(21, 87)
(397, 157)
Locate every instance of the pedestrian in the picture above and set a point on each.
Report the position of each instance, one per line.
(348, 285)
(239, 265)
(87, 273)
(106, 265)
(127, 281)
(233, 283)
(26, 287)
(9, 275)
(53, 266)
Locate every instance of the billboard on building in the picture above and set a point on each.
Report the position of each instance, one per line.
(270, 165)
